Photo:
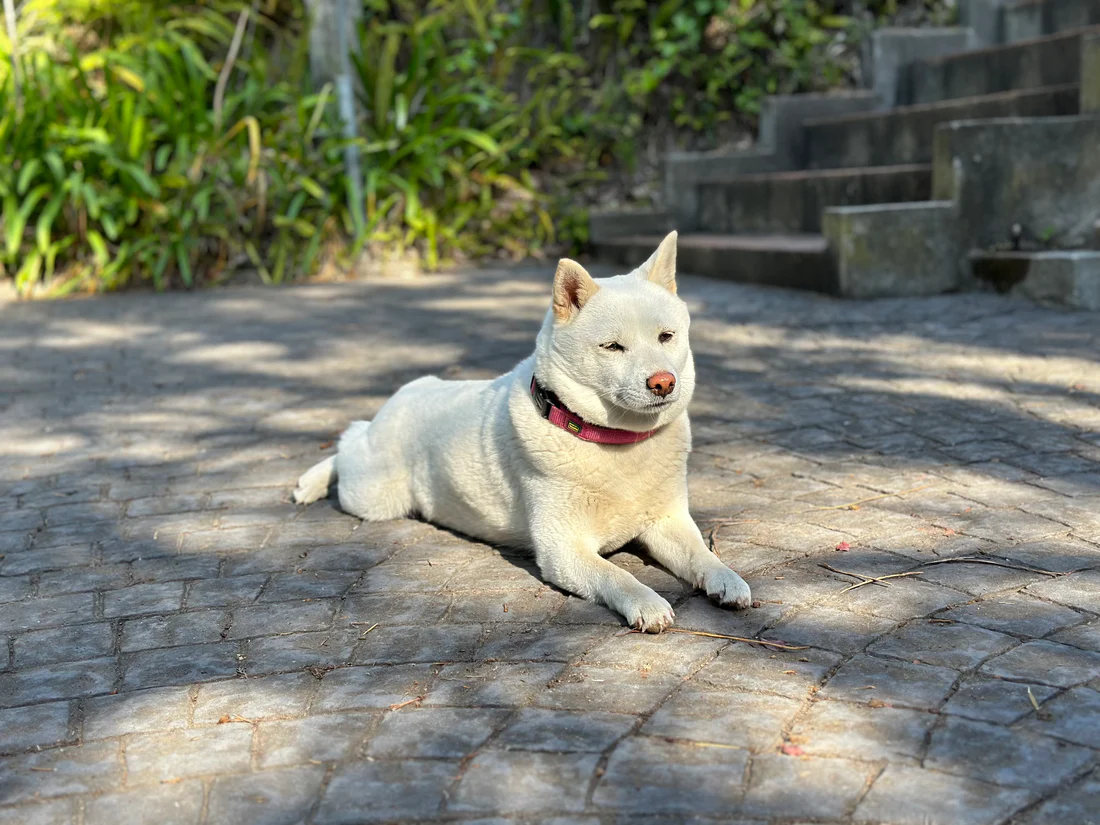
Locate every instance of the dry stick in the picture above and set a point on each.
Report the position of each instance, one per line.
(995, 563)
(864, 579)
(227, 69)
(719, 523)
(1031, 696)
(399, 705)
(853, 504)
(880, 579)
(764, 642)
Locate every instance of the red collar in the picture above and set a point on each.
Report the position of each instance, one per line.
(559, 415)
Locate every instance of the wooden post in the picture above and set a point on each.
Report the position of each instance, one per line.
(13, 42)
(327, 27)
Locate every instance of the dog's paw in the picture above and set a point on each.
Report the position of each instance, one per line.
(648, 612)
(727, 588)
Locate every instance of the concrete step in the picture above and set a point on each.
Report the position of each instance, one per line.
(794, 201)
(1026, 19)
(797, 261)
(904, 135)
(1054, 60)
(1067, 277)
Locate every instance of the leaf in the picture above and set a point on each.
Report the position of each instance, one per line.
(160, 159)
(16, 217)
(45, 222)
(183, 261)
(790, 749)
(99, 248)
(26, 174)
(843, 547)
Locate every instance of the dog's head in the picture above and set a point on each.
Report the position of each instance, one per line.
(615, 350)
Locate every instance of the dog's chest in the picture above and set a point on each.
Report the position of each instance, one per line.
(620, 494)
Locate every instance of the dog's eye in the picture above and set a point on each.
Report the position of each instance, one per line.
(665, 337)
(613, 346)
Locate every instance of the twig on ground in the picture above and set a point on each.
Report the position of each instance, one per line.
(363, 635)
(763, 642)
(719, 523)
(1031, 696)
(880, 580)
(415, 700)
(996, 563)
(854, 505)
(865, 580)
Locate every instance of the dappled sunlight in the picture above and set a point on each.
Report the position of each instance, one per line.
(181, 634)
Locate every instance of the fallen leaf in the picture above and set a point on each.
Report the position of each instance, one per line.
(756, 603)
(878, 703)
(325, 446)
(792, 750)
(844, 547)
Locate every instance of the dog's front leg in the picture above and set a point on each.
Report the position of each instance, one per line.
(676, 542)
(578, 567)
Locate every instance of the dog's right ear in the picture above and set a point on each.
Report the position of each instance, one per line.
(573, 288)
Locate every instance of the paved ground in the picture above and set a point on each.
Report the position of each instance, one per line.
(181, 644)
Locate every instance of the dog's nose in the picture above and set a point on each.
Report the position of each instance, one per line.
(661, 384)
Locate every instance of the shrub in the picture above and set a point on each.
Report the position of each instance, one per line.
(139, 153)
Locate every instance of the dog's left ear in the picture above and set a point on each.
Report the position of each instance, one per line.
(573, 288)
(661, 266)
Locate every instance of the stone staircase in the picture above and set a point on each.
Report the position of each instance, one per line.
(962, 165)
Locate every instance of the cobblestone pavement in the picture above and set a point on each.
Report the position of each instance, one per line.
(183, 645)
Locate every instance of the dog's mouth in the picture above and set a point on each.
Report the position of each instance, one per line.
(662, 403)
(650, 407)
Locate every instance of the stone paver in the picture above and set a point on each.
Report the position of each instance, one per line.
(180, 644)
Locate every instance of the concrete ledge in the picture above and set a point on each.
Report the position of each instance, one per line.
(1070, 278)
(605, 225)
(893, 250)
(889, 51)
(1053, 60)
(1041, 173)
(780, 147)
(1026, 19)
(782, 116)
(985, 18)
(684, 170)
(1090, 73)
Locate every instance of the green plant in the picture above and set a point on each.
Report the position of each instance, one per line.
(481, 121)
(121, 171)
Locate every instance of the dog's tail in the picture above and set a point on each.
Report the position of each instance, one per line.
(315, 482)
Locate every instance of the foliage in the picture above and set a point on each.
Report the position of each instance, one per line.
(479, 118)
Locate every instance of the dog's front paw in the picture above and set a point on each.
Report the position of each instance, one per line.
(727, 588)
(648, 612)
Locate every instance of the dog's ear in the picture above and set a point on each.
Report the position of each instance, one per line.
(573, 288)
(661, 266)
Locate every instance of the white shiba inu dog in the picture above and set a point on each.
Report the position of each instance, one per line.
(578, 450)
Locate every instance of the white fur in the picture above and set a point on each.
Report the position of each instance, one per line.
(477, 457)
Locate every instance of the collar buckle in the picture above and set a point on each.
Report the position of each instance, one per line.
(542, 399)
